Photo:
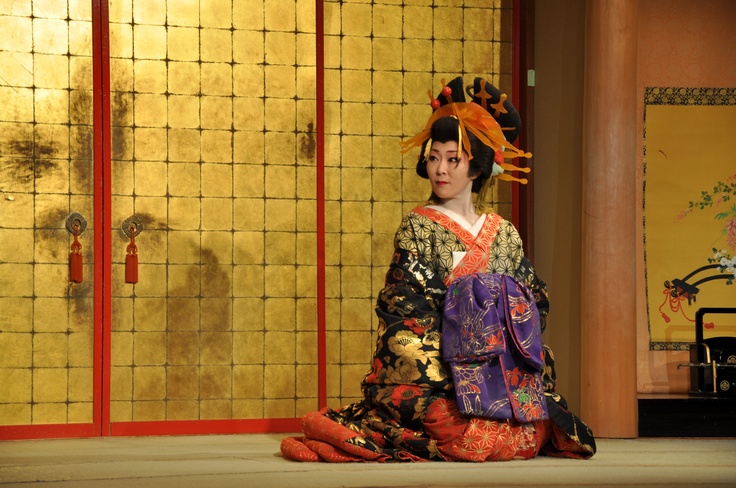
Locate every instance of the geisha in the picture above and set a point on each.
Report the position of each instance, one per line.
(459, 371)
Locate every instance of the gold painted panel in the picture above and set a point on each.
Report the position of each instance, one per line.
(213, 151)
(46, 321)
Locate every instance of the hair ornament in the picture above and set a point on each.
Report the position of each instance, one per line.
(446, 92)
(474, 118)
(500, 166)
(427, 149)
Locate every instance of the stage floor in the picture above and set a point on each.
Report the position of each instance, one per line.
(254, 460)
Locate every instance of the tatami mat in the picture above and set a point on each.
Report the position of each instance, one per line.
(252, 461)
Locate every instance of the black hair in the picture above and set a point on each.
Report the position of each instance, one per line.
(445, 129)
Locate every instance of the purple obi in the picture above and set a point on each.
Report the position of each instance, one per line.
(492, 340)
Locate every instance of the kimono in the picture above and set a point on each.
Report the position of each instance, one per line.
(410, 411)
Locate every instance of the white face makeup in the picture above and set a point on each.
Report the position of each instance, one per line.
(448, 172)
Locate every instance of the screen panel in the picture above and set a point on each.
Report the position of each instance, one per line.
(213, 110)
(46, 176)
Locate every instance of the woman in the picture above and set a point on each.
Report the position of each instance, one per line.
(459, 371)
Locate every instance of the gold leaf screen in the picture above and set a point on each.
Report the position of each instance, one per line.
(213, 113)
(46, 173)
(213, 117)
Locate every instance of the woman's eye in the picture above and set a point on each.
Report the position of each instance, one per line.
(455, 160)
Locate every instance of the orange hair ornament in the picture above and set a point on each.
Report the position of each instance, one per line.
(476, 117)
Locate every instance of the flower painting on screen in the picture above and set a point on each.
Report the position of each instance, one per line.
(689, 210)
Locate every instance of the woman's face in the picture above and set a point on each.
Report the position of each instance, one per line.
(448, 172)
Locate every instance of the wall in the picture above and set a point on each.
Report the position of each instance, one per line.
(557, 171)
(46, 166)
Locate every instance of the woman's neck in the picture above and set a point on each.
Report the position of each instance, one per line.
(463, 207)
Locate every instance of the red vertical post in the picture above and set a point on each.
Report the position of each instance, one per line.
(320, 139)
(102, 215)
(515, 88)
(609, 401)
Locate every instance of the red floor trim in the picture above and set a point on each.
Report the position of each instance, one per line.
(48, 431)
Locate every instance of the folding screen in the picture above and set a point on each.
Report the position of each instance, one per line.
(249, 151)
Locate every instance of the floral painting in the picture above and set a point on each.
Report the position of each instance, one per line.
(689, 209)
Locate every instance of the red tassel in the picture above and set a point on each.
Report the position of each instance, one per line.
(75, 267)
(76, 259)
(131, 260)
(131, 268)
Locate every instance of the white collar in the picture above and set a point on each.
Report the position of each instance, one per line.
(473, 229)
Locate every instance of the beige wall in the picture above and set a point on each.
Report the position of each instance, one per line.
(557, 170)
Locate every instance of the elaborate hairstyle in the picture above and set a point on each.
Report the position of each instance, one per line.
(485, 128)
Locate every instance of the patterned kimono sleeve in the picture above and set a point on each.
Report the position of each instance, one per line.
(407, 238)
(507, 250)
(507, 257)
(525, 274)
(410, 277)
(408, 373)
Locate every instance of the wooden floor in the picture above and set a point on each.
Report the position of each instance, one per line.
(253, 461)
